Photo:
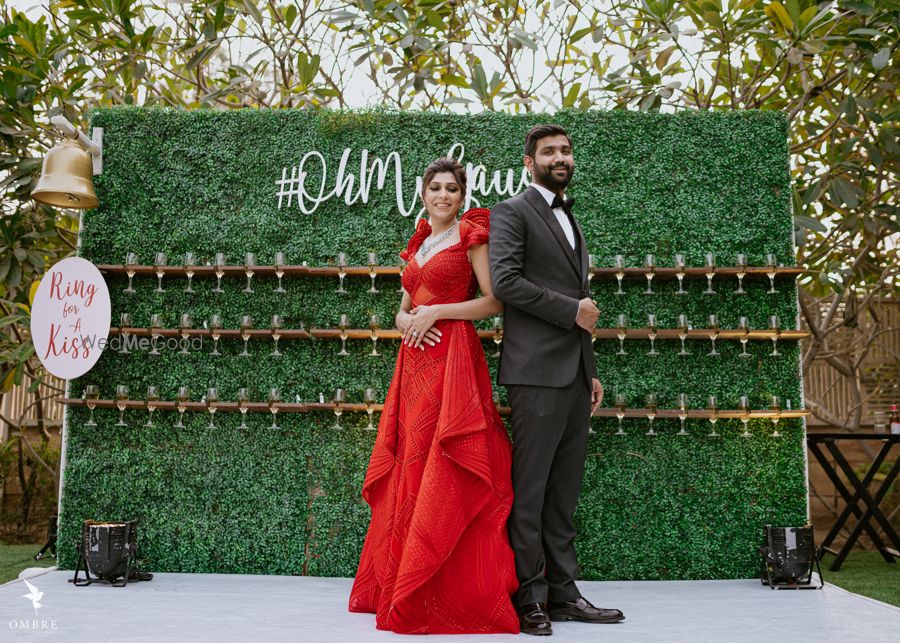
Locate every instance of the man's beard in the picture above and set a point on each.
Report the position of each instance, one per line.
(545, 176)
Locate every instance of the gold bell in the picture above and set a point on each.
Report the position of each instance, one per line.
(66, 177)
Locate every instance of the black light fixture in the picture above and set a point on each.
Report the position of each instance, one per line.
(788, 554)
(109, 550)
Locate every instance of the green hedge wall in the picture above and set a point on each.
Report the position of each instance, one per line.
(288, 502)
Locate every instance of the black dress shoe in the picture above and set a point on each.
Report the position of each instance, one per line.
(581, 610)
(533, 619)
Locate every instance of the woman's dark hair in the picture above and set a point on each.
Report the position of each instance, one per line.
(445, 164)
(538, 132)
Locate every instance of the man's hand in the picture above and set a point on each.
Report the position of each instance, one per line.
(596, 394)
(588, 313)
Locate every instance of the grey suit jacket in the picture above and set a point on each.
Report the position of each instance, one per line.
(536, 275)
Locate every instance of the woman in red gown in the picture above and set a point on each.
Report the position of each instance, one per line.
(437, 558)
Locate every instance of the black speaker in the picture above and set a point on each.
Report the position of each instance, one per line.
(109, 550)
(788, 555)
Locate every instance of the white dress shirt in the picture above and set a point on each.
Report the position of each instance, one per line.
(561, 215)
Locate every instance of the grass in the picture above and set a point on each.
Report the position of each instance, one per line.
(15, 558)
(866, 573)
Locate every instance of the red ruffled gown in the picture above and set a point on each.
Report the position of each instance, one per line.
(437, 557)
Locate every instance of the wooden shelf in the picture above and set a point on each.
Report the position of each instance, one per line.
(393, 333)
(305, 407)
(605, 274)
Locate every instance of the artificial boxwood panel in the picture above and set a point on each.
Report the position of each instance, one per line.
(288, 501)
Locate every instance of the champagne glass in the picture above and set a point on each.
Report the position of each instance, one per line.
(243, 398)
(683, 326)
(249, 265)
(91, 395)
(710, 273)
(182, 396)
(651, 328)
(212, 399)
(279, 271)
(189, 262)
(220, 271)
(121, 398)
(373, 334)
(744, 407)
(741, 263)
(340, 396)
(184, 325)
(369, 399)
(713, 407)
(373, 261)
(152, 399)
(342, 263)
(775, 405)
(155, 325)
(498, 334)
(772, 265)
(215, 329)
(679, 265)
(402, 268)
(274, 401)
(619, 261)
(124, 324)
(159, 262)
(773, 326)
(621, 332)
(592, 263)
(131, 260)
(713, 326)
(650, 403)
(246, 325)
(744, 325)
(343, 325)
(277, 325)
(682, 412)
(650, 265)
(620, 411)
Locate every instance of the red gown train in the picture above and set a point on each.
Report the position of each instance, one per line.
(437, 557)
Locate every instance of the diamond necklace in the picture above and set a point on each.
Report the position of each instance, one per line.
(428, 247)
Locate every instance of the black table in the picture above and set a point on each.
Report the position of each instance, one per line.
(859, 491)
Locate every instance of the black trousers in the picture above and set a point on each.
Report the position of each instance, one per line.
(549, 433)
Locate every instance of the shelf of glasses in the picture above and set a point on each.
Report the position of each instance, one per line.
(393, 333)
(696, 273)
(332, 271)
(283, 333)
(305, 407)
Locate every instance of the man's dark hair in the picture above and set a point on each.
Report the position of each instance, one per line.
(538, 132)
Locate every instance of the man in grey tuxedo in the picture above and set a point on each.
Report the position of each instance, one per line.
(539, 263)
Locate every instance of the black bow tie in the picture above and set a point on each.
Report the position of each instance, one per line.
(565, 204)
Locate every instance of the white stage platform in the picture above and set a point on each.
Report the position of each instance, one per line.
(224, 607)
